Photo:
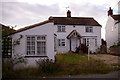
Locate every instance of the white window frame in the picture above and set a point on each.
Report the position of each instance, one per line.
(36, 40)
(86, 41)
(61, 28)
(89, 29)
(61, 42)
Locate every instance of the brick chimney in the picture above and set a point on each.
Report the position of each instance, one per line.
(68, 13)
(110, 12)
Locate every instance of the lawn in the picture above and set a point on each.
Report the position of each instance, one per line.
(73, 58)
(65, 64)
(73, 64)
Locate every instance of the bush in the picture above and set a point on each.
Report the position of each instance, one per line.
(82, 48)
(9, 64)
(118, 44)
(115, 45)
(47, 66)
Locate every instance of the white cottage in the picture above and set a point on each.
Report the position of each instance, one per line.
(112, 28)
(57, 35)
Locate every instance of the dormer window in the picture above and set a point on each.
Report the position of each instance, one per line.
(89, 29)
(60, 28)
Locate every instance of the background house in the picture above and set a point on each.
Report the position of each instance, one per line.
(112, 28)
(57, 35)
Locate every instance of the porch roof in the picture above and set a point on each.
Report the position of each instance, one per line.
(72, 33)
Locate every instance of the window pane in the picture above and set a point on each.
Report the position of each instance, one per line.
(58, 42)
(33, 53)
(33, 43)
(59, 28)
(39, 38)
(61, 42)
(28, 52)
(43, 37)
(87, 29)
(28, 38)
(84, 41)
(28, 43)
(33, 47)
(87, 41)
(91, 29)
(63, 28)
(41, 48)
(28, 48)
(32, 38)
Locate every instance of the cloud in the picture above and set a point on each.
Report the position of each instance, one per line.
(21, 14)
(26, 12)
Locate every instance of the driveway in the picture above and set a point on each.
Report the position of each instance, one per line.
(107, 58)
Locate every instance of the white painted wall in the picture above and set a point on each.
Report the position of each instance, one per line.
(81, 31)
(46, 29)
(118, 31)
(111, 32)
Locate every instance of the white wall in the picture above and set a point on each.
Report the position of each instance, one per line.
(111, 32)
(81, 31)
(49, 29)
(46, 29)
(118, 31)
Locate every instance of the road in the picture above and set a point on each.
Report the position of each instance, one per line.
(109, 75)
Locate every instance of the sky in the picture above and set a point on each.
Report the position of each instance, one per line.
(22, 13)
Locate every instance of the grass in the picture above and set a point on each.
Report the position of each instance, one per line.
(78, 64)
(72, 58)
(65, 64)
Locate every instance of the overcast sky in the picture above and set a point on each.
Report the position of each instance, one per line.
(27, 12)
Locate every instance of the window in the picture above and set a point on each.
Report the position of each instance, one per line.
(86, 41)
(61, 42)
(54, 43)
(61, 28)
(95, 42)
(89, 29)
(36, 45)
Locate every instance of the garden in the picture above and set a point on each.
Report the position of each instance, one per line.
(65, 64)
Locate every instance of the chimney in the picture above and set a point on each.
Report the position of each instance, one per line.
(68, 13)
(110, 12)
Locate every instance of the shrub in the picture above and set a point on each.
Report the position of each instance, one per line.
(82, 48)
(118, 44)
(115, 45)
(8, 65)
(47, 66)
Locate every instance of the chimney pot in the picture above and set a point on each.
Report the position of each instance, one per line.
(68, 13)
(110, 12)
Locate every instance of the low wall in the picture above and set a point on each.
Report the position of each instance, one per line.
(115, 50)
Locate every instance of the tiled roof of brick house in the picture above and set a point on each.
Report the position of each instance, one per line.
(75, 21)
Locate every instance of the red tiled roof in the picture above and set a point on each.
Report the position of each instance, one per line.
(116, 17)
(75, 21)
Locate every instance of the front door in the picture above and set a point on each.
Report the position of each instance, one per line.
(74, 43)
